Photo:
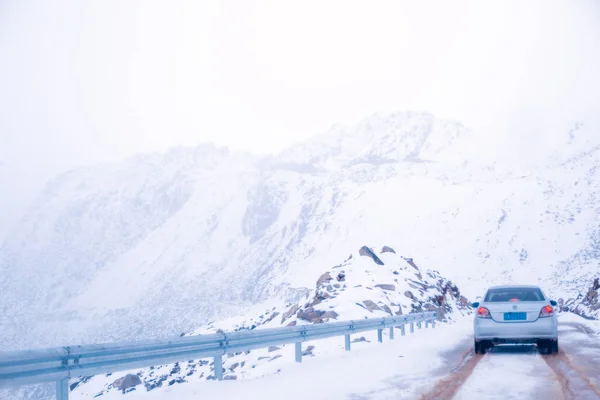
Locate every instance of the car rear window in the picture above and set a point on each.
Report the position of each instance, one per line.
(514, 294)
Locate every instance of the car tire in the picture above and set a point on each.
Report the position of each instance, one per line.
(555, 346)
(546, 346)
(481, 347)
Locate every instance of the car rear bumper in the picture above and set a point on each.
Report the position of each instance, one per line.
(515, 332)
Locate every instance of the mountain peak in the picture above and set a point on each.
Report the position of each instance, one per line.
(378, 139)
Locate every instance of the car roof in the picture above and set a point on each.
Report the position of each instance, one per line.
(514, 286)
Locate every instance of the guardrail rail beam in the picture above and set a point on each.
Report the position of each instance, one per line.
(60, 364)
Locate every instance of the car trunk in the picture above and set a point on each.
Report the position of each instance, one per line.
(517, 312)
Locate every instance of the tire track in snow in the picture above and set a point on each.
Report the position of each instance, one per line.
(570, 374)
(447, 387)
(577, 363)
(510, 372)
(574, 384)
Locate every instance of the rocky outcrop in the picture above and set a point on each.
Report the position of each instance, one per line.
(330, 315)
(411, 262)
(289, 313)
(386, 286)
(126, 382)
(367, 252)
(387, 249)
(323, 278)
(275, 314)
(586, 305)
(370, 305)
(387, 290)
(308, 351)
(310, 314)
(387, 310)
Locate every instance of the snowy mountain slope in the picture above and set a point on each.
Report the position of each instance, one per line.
(586, 304)
(92, 222)
(358, 288)
(160, 244)
(14, 196)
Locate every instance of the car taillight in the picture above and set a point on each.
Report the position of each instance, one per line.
(547, 311)
(483, 312)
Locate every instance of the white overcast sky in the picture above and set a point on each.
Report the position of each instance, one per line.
(90, 81)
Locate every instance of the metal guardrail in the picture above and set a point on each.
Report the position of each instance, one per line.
(60, 364)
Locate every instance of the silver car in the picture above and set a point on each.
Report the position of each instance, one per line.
(515, 314)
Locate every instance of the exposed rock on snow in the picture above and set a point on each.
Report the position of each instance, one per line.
(367, 252)
(387, 249)
(127, 382)
(387, 309)
(329, 315)
(326, 277)
(588, 305)
(310, 315)
(308, 351)
(371, 306)
(289, 313)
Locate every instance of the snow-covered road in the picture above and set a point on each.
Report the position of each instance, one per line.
(430, 364)
(520, 372)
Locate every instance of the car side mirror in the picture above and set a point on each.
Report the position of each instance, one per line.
(475, 305)
(554, 303)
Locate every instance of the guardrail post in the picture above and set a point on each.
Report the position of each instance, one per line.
(412, 327)
(402, 328)
(347, 335)
(391, 333)
(299, 352)
(419, 324)
(380, 335)
(219, 367)
(62, 389)
(426, 323)
(433, 323)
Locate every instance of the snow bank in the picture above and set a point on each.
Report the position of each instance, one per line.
(398, 369)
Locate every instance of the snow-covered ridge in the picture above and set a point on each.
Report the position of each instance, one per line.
(373, 282)
(378, 140)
